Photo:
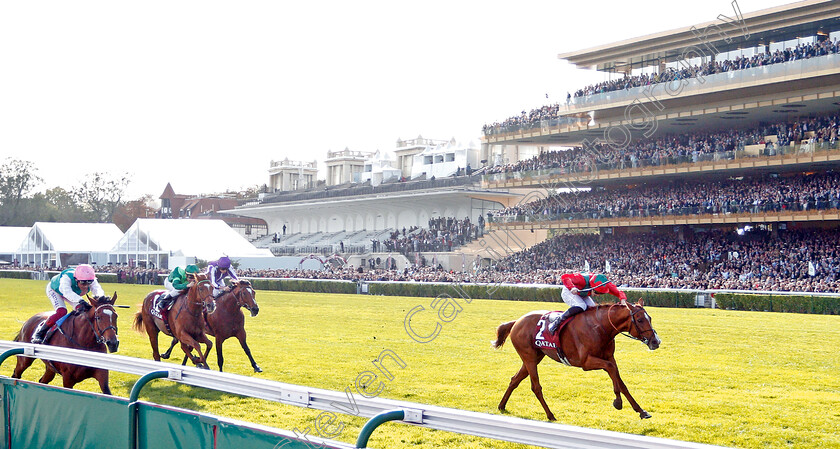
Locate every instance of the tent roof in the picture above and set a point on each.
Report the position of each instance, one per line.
(80, 237)
(11, 237)
(204, 239)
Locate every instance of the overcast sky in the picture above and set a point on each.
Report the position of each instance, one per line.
(204, 94)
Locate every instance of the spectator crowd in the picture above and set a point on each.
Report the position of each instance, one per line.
(757, 194)
(820, 132)
(683, 71)
(443, 235)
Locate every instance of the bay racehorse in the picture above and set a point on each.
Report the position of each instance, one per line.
(94, 329)
(185, 320)
(229, 321)
(588, 342)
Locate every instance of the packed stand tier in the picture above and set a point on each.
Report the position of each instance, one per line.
(801, 51)
(759, 194)
(443, 235)
(756, 260)
(819, 132)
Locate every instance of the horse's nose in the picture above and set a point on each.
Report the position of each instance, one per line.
(113, 345)
(255, 310)
(654, 342)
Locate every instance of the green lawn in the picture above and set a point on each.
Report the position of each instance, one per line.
(742, 379)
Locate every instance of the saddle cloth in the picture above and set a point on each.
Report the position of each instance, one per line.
(545, 339)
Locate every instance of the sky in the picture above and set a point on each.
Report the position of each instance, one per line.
(205, 94)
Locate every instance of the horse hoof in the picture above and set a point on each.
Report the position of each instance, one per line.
(164, 356)
(257, 369)
(617, 404)
(644, 415)
(203, 366)
(552, 418)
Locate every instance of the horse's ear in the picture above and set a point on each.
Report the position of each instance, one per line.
(641, 302)
(114, 298)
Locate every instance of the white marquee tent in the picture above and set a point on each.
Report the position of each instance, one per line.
(155, 241)
(10, 239)
(63, 244)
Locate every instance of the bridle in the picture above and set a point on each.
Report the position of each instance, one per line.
(100, 334)
(237, 291)
(200, 302)
(633, 313)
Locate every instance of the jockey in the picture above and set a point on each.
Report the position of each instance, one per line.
(577, 290)
(69, 285)
(217, 271)
(176, 283)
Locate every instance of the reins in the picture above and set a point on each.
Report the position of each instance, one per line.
(632, 322)
(98, 336)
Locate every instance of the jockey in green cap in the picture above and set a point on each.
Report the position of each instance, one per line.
(177, 282)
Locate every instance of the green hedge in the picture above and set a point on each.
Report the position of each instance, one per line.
(298, 285)
(827, 305)
(15, 274)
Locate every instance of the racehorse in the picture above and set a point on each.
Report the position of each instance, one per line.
(229, 321)
(93, 330)
(185, 319)
(588, 342)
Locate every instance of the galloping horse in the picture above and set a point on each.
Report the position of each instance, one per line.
(588, 342)
(92, 330)
(186, 322)
(229, 321)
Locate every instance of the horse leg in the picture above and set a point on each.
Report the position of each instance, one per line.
(187, 345)
(219, 355)
(168, 352)
(531, 365)
(592, 363)
(48, 376)
(152, 331)
(241, 336)
(101, 375)
(22, 364)
(514, 382)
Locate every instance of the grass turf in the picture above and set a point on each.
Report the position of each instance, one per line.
(742, 379)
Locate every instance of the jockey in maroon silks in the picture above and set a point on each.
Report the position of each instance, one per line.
(70, 285)
(577, 292)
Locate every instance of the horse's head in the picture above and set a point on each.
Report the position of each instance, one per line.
(204, 293)
(641, 325)
(246, 296)
(103, 319)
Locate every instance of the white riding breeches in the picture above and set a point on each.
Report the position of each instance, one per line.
(55, 298)
(576, 300)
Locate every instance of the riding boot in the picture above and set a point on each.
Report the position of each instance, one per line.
(40, 332)
(572, 311)
(161, 301)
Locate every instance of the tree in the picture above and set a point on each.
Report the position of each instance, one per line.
(17, 178)
(127, 213)
(101, 195)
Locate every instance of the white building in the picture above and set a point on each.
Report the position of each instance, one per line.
(289, 175)
(63, 244)
(169, 243)
(380, 168)
(11, 238)
(345, 167)
(444, 160)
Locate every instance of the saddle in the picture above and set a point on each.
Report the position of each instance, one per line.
(159, 313)
(57, 326)
(545, 339)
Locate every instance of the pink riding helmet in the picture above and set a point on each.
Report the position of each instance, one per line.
(84, 272)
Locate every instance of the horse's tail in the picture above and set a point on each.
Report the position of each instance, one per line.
(502, 333)
(138, 321)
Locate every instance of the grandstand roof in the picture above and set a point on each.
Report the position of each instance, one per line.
(768, 25)
(204, 239)
(78, 237)
(11, 238)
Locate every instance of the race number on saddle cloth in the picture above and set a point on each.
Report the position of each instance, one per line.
(160, 312)
(544, 338)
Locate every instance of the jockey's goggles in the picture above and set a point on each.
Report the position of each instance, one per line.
(86, 282)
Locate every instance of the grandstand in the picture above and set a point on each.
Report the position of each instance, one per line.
(707, 161)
